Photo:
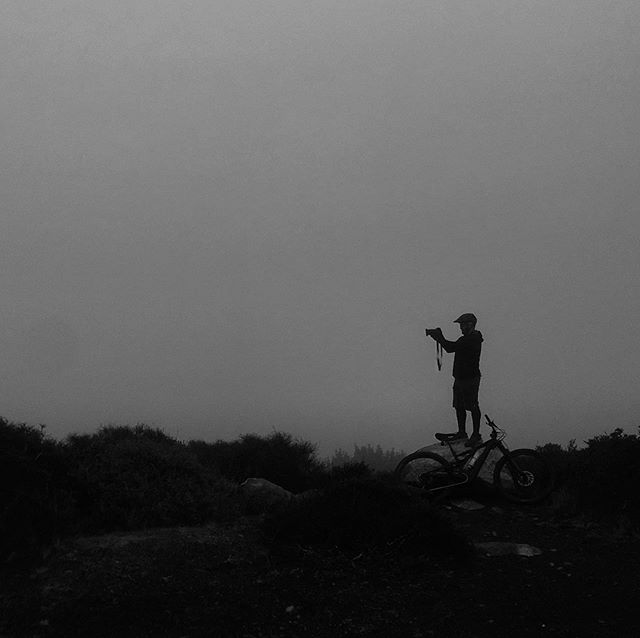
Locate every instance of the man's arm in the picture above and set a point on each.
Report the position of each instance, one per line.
(436, 335)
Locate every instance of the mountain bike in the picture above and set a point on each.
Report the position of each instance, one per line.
(520, 476)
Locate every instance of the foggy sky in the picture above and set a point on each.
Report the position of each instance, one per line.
(221, 217)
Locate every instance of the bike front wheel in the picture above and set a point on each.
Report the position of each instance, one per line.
(523, 476)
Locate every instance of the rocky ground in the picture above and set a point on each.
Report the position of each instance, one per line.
(223, 581)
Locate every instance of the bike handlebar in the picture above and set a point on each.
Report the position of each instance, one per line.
(496, 432)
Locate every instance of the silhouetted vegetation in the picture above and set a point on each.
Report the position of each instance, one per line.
(36, 500)
(119, 478)
(375, 458)
(562, 459)
(279, 458)
(122, 477)
(349, 470)
(601, 480)
(134, 477)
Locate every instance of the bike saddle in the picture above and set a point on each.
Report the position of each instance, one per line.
(455, 436)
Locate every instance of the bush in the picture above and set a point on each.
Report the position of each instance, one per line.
(377, 459)
(364, 514)
(348, 471)
(606, 477)
(599, 481)
(563, 460)
(36, 500)
(128, 478)
(290, 463)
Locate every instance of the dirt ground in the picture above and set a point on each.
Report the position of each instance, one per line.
(222, 581)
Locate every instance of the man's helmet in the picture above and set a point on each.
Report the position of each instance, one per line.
(467, 316)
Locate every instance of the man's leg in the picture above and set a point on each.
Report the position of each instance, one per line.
(461, 416)
(471, 402)
(475, 417)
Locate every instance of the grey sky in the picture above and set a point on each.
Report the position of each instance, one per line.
(231, 216)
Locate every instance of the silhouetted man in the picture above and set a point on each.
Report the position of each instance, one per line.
(466, 375)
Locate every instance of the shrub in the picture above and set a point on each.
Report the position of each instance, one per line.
(137, 477)
(600, 480)
(377, 459)
(36, 501)
(606, 477)
(290, 463)
(563, 460)
(364, 514)
(348, 471)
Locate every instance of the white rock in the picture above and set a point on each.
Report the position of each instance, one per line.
(497, 548)
(467, 504)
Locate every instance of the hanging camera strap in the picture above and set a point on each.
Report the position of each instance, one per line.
(439, 353)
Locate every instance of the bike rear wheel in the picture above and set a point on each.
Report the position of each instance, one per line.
(523, 476)
(428, 472)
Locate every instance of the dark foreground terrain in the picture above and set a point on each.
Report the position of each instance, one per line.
(224, 581)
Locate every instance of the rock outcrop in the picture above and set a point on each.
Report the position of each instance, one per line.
(262, 495)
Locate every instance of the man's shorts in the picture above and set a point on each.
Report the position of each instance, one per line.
(465, 393)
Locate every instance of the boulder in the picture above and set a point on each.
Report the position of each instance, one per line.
(262, 495)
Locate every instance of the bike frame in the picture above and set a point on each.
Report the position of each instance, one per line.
(462, 459)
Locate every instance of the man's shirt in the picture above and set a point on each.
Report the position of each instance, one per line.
(466, 362)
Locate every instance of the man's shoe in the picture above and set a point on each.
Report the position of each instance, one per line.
(473, 440)
(453, 436)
